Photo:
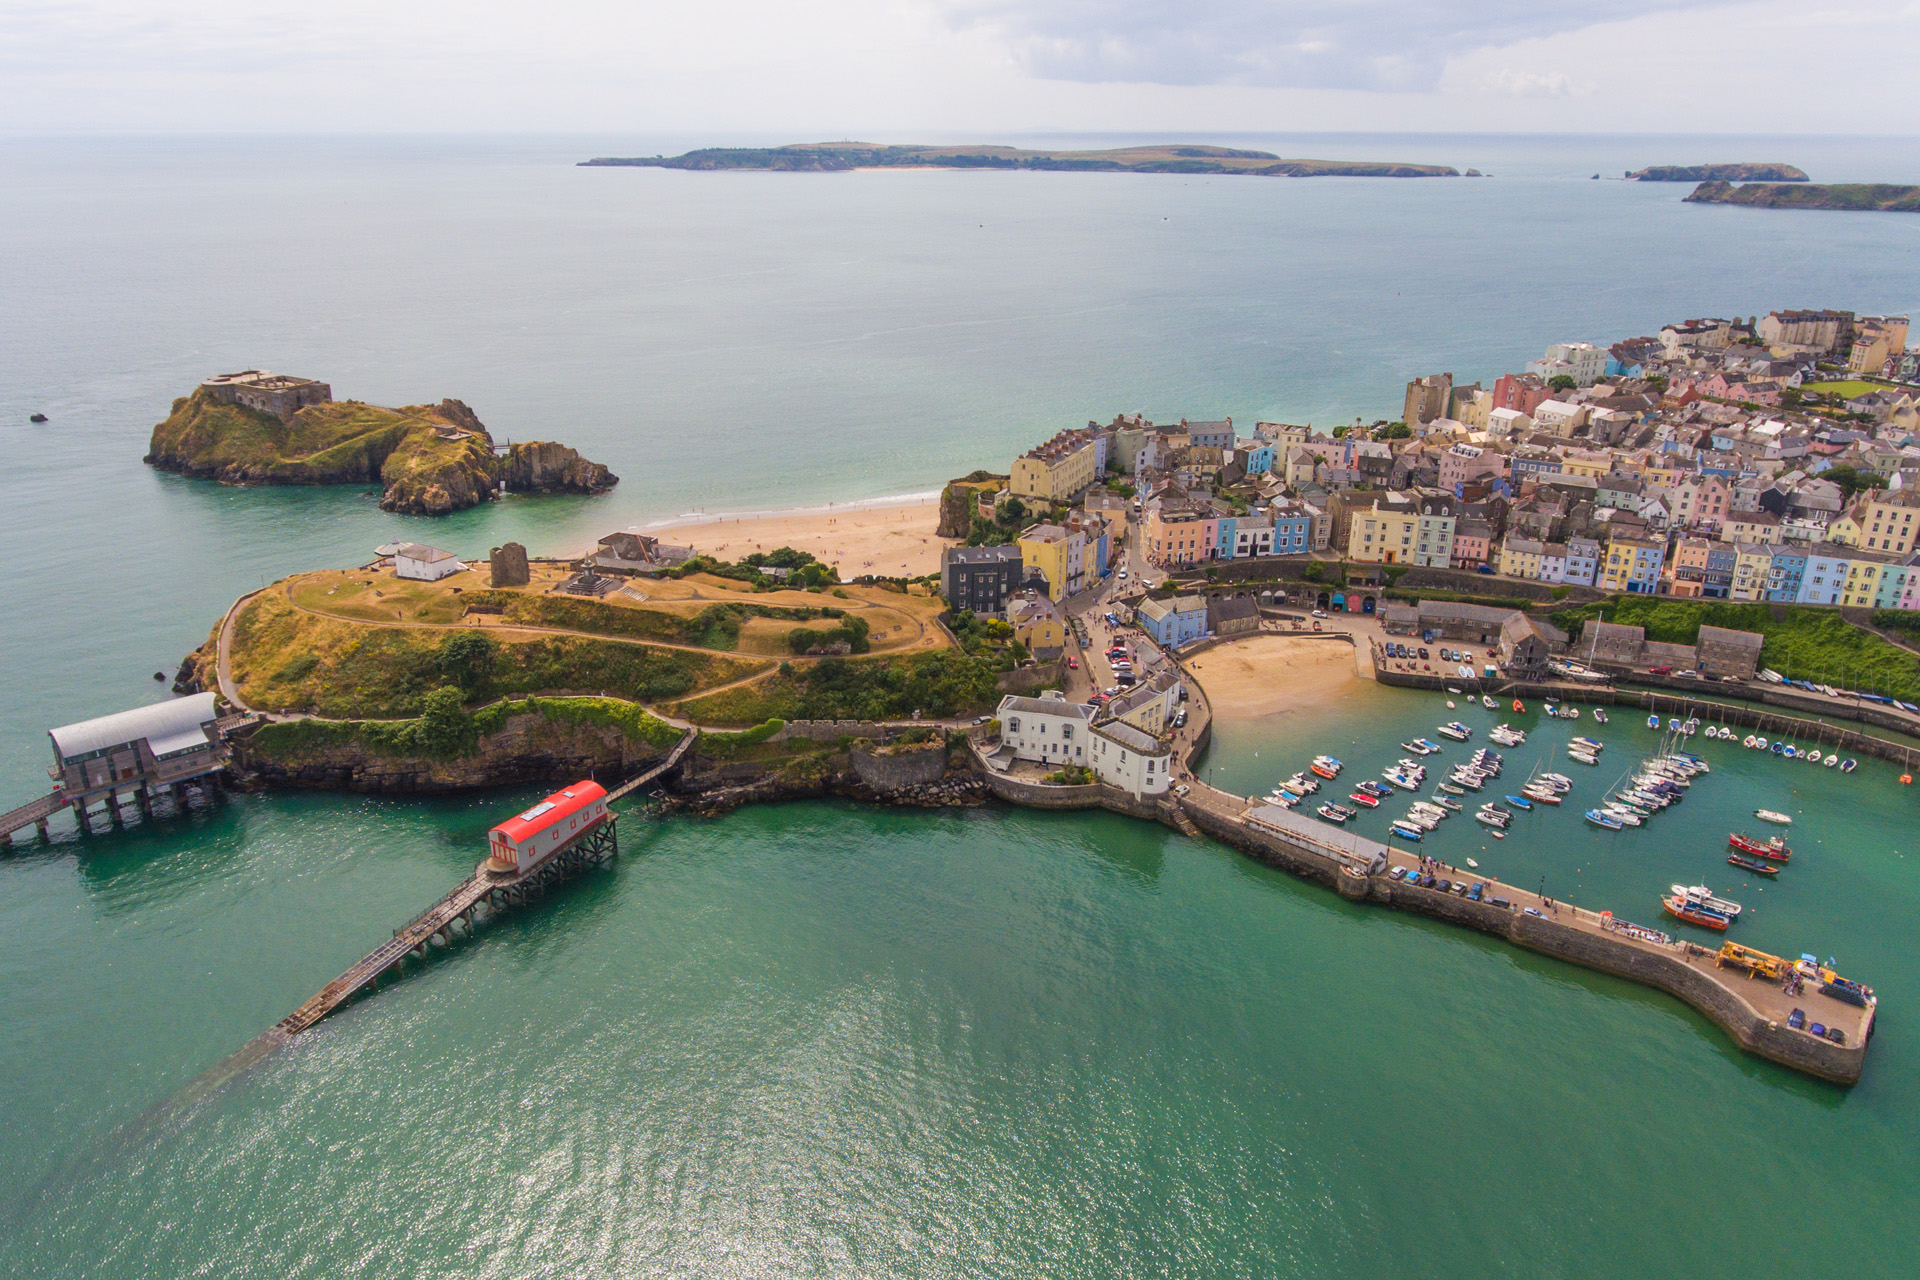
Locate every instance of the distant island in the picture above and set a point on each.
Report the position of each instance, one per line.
(1718, 173)
(256, 427)
(1852, 196)
(840, 157)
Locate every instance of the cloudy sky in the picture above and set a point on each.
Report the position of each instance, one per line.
(893, 68)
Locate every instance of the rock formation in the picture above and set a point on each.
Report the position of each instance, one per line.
(429, 459)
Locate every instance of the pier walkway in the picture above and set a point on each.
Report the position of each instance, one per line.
(673, 758)
(33, 814)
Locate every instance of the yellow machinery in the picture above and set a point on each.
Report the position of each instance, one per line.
(1758, 963)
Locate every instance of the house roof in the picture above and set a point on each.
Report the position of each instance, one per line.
(422, 552)
(1738, 639)
(1131, 738)
(166, 726)
(1233, 608)
(554, 809)
(1014, 704)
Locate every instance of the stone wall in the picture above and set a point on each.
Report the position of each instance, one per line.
(895, 768)
(1033, 795)
(1030, 679)
(830, 730)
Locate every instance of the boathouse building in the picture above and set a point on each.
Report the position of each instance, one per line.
(156, 745)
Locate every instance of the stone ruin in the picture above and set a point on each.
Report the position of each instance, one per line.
(509, 565)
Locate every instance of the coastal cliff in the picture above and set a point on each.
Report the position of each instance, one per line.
(430, 459)
(1860, 197)
(1718, 173)
(840, 157)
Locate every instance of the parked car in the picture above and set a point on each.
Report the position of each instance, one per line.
(1073, 664)
(1123, 573)
(1319, 613)
(1180, 720)
(1687, 675)
(1423, 655)
(1485, 568)
(1182, 789)
(1659, 671)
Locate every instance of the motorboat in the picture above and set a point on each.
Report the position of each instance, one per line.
(1748, 864)
(1455, 730)
(1653, 722)
(1519, 802)
(1849, 765)
(1588, 743)
(1774, 850)
(1285, 799)
(1622, 814)
(1543, 795)
(1470, 781)
(1681, 907)
(1364, 800)
(1329, 772)
(1418, 747)
(1704, 896)
(1402, 780)
(1405, 832)
(1332, 814)
(1560, 780)
(1448, 803)
(1430, 808)
(1455, 692)
(1601, 819)
(1584, 757)
(1600, 714)
(1774, 816)
(1374, 789)
(1419, 820)
(1301, 784)
(1449, 788)
(1496, 810)
(1486, 700)
(1491, 819)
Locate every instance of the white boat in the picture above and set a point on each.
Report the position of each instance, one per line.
(1588, 743)
(1773, 816)
(1455, 730)
(1473, 864)
(1814, 756)
(1704, 896)
(1486, 700)
(1620, 813)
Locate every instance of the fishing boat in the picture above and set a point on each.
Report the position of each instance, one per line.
(1364, 800)
(1748, 864)
(1600, 714)
(1332, 814)
(1374, 789)
(1520, 802)
(1704, 896)
(1601, 819)
(1588, 743)
(1774, 816)
(1684, 908)
(1774, 850)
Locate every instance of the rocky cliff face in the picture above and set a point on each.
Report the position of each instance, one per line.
(429, 459)
(541, 466)
(530, 749)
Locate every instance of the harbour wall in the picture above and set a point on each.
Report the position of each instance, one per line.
(1687, 976)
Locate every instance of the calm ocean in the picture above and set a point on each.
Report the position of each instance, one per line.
(823, 1040)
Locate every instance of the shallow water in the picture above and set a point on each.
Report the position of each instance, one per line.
(822, 1039)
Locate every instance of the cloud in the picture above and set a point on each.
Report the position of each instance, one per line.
(1316, 44)
(1515, 83)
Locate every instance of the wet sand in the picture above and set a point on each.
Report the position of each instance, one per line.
(1270, 674)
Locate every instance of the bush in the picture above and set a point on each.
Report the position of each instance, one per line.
(1071, 776)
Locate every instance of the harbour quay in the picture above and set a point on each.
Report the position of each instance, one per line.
(1748, 1001)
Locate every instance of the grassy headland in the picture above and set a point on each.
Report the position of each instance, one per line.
(831, 157)
(1862, 197)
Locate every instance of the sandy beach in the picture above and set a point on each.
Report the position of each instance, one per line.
(895, 541)
(1274, 673)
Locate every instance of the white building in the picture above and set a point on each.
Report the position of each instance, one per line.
(1133, 761)
(1583, 561)
(1585, 363)
(1252, 536)
(1047, 729)
(1558, 418)
(1508, 422)
(422, 563)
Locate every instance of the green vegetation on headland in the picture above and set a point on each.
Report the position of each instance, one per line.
(715, 627)
(430, 459)
(446, 730)
(287, 659)
(1718, 173)
(1863, 197)
(939, 684)
(1801, 643)
(836, 157)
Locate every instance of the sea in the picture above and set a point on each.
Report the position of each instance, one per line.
(825, 1039)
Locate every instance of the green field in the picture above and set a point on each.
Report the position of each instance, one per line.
(1846, 390)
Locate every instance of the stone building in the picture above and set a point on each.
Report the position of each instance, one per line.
(1232, 615)
(980, 578)
(1611, 642)
(277, 393)
(1725, 652)
(508, 565)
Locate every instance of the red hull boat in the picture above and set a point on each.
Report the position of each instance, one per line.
(1773, 849)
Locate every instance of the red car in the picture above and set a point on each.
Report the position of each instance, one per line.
(1659, 671)
(1073, 664)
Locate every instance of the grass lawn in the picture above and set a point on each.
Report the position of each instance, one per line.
(1846, 390)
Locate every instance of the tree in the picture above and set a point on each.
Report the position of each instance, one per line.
(1562, 382)
(467, 658)
(446, 727)
(1010, 510)
(1394, 431)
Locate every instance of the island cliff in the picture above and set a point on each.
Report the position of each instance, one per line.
(1867, 197)
(1718, 173)
(430, 459)
(839, 157)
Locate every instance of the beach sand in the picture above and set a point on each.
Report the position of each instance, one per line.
(1269, 674)
(895, 541)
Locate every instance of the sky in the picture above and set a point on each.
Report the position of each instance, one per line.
(894, 70)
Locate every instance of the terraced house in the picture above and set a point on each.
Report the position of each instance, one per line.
(1178, 534)
(1059, 555)
(1062, 468)
(1384, 532)
(1633, 565)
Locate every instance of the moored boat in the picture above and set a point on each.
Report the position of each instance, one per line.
(1774, 816)
(1600, 714)
(1704, 896)
(1588, 743)
(1683, 908)
(1774, 850)
(1748, 864)
(1364, 800)
(1331, 814)
(1520, 802)
(1405, 832)
(1606, 820)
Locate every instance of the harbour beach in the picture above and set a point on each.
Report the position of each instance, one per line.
(1272, 675)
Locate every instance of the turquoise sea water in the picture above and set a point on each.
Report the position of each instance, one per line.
(821, 1039)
